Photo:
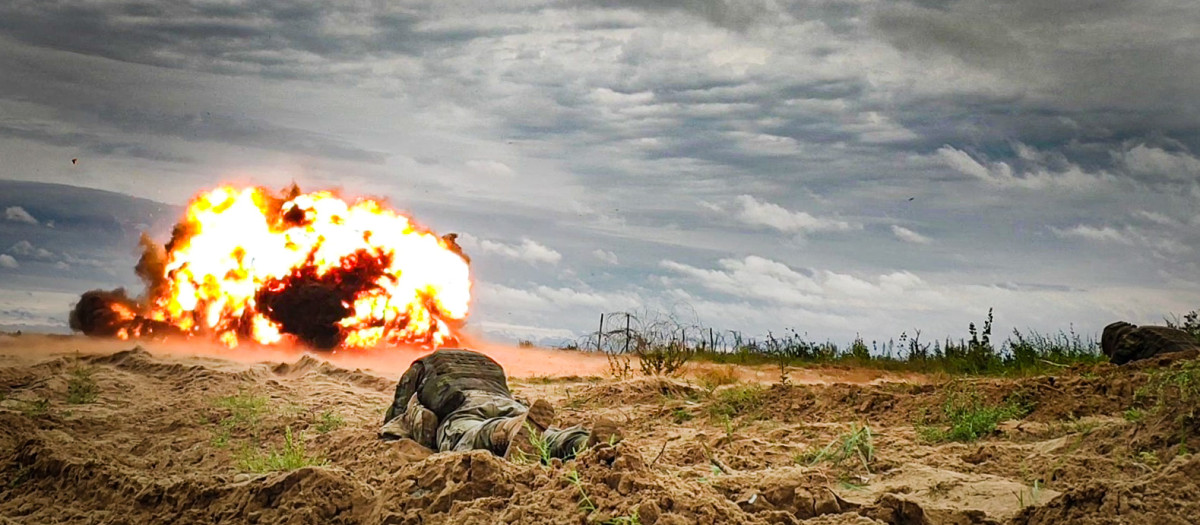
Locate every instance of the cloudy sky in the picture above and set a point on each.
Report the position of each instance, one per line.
(832, 166)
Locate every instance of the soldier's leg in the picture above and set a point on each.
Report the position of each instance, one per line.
(416, 422)
(476, 426)
(565, 443)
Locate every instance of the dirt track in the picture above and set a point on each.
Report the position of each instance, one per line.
(170, 438)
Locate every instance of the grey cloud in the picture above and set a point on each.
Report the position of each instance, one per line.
(731, 14)
(266, 37)
(18, 214)
(89, 142)
(229, 129)
(1015, 130)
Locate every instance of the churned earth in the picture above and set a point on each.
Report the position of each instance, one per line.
(105, 432)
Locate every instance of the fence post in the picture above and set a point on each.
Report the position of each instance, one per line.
(600, 332)
(626, 332)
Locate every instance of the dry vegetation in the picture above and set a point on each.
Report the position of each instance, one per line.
(144, 438)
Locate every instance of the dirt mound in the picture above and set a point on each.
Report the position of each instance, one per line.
(308, 364)
(1171, 495)
(602, 485)
(637, 390)
(182, 439)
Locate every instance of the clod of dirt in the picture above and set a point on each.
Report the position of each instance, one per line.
(1169, 496)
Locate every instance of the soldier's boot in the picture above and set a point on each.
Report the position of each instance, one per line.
(604, 432)
(416, 423)
(521, 435)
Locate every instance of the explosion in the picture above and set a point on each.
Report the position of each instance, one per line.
(245, 264)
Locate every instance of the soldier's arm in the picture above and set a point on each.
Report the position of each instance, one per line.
(405, 389)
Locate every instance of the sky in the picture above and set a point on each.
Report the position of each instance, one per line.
(839, 168)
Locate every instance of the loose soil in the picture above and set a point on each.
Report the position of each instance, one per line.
(171, 433)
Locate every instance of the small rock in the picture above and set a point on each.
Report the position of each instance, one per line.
(826, 502)
(754, 502)
(648, 512)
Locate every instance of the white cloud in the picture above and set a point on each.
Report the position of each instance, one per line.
(1092, 233)
(1156, 218)
(542, 298)
(27, 249)
(1037, 177)
(527, 250)
(7, 261)
(757, 213)
(521, 332)
(753, 277)
(491, 167)
(1157, 162)
(606, 256)
(81, 261)
(1160, 243)
(908, 235)
(18, 214)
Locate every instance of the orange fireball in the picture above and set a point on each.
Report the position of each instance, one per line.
(246, 264)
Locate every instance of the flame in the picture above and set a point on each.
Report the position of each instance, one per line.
(246, 264)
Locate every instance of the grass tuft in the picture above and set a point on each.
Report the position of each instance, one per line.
(970, 418)
(292, 456)
(857, 443)
(82, 388)
(36, 408)
(585, 503)
(737, 400)
(681, 415)
(329, 422)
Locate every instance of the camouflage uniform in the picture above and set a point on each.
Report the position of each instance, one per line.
(468, 394)
(1123, 342)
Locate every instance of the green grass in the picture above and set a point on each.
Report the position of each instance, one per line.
(245, 414)
(36, 408)
(857, 443)
(541, 449)
(978, 353)
(1134, 415)
(292, 456)
(1176, 396)
(970, 418)
(329, 422)
(19, 477)
(245, 410)
(82, 388)
(585, 502)
(1175, 386)
(631, 519)
(736, 400)
(681, 415)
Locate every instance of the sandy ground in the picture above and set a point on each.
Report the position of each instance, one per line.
(178, 434)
